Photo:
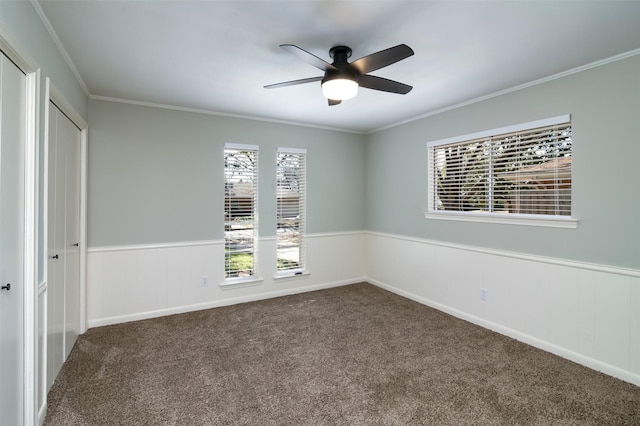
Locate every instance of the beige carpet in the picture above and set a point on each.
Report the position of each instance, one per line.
(355, 355)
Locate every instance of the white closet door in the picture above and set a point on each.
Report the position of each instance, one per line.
(63, 275)
(12, 143)
(69, 137)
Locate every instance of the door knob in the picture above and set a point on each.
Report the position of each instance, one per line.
(55, 256)
(6, 287)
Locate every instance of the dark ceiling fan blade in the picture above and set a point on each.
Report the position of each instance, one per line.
(381, 59)
(379, 83)
(333, 102)
(293, 82)
(308, 57)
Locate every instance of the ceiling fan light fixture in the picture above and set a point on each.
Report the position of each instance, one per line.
(341, 79)
(340, 88)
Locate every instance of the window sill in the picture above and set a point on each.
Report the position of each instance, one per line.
(230, 283)
(527, 220)
(291, 275)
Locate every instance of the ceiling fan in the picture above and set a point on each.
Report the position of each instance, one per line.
(341, 79)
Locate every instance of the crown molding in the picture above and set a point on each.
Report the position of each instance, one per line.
(539, 81)
(58, 43)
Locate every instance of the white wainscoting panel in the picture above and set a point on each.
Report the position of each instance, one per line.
(136, 282)
(587, 313)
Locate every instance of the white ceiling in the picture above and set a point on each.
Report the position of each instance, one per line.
(218, 55)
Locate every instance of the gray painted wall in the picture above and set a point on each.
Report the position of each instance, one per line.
(156, 175)
(605, 106)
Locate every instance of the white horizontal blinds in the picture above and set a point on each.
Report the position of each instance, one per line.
(525, 171)
(532, 171)
(291, 197)
(240, 209)
(461, 175)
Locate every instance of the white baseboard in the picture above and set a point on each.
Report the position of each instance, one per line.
(42, 413)
(587, 313)
(138, 282)
(589, 362)
(219, 303)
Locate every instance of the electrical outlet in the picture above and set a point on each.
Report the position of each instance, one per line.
(484, 294)
(204, 282)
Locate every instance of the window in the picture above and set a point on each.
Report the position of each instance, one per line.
(290, 194)
(521, 171)
(240, 210)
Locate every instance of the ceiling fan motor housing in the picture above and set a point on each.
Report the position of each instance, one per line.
(340, 54)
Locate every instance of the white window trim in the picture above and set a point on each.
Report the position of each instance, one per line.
(516, 219)
(241, 146)
(298, 272)
(293, 150)
(505, 219)
(292, 273)
(239, 282)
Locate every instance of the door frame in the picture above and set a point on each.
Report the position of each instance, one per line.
(13, 50)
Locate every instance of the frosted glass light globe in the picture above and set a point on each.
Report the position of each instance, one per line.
(339, 89)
